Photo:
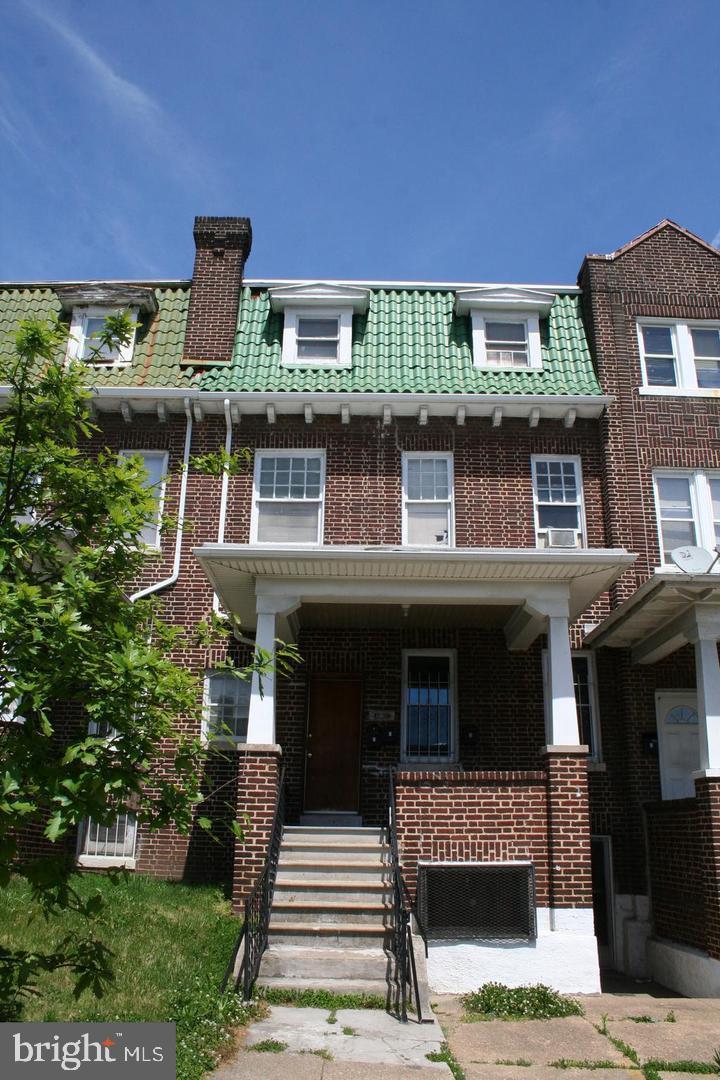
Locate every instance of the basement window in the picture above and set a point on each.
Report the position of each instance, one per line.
(477, 901)
(108, 845)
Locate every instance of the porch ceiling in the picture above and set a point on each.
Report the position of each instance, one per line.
(653, 621)
(397, 577)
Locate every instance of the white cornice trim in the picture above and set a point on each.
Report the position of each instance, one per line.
(504, 298)
(323, 293)
(144, 399)
(440, 286)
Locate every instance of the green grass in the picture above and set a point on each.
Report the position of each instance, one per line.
(522, 1062)
(653, 1069)
(319, 999)
(445, 1054)
(269, 1046)
(171, 943)
(494, 1001)
(349, 1031)
(571, 1063)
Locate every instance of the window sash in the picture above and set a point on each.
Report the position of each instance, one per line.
(557, 495)
(155, 463)
(227, 706)
(289, 498)
(692, 360)
(427, 499)
(586, 699)
(696, 520)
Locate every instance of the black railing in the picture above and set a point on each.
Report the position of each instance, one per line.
(402, 939)
(253, 936)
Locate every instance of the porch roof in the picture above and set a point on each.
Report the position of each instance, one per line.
(659, 617)
(514, 577)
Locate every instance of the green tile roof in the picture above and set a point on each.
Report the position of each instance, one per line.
(158, 344)
(410, 341)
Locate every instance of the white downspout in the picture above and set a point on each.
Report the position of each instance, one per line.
(181, 513)
(224, 488)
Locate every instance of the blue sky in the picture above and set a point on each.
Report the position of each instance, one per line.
(403, 139)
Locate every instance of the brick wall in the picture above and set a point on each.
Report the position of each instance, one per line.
(492, 816)
(222, 246)
(257, 794)
(684, 862)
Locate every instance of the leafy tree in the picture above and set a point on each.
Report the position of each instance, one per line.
(89, 693)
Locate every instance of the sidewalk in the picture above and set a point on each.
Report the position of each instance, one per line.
(618, 1035)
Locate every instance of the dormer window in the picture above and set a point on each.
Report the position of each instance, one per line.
(86, 329)
(318, 321)
(505, 325)
(89, 305)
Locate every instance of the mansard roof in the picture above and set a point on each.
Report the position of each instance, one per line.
(410, 340)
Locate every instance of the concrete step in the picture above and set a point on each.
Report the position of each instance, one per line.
(344, 869)
(344, 935)
(376, 987)
(329, 911)
(331, 832)
(327, 850)
(300, 962)
(323, 888)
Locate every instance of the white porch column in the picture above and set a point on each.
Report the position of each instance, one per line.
(707, 674)
(261, 717)
(562, 719)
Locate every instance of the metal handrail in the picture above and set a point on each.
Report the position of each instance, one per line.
(402, 939)
(254, 931)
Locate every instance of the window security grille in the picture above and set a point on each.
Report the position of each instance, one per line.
(111, 841)
(489, 901)
(427, 707)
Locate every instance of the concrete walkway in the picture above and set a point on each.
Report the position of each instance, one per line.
(618, 1035)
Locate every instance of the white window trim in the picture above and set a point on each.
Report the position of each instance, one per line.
(596, 758)
(687, 384)
(700, 502)
(452, 757)
(76, 342)
(532, 324)
(577, 462)
(208, 737)
(409, 455)
(138, 451)
(254, 514)
(99, 861)
(290, 357)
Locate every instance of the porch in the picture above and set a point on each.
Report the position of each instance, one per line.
(432, 663)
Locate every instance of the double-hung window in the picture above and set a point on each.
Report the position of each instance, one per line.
(288, 497)
(226, 706)
(428, 500)
(428, 717)
(679, 355)
(88, 323)
(557, 491)
(317, 337)
(506, 339)
(156, 464)
(688, 509)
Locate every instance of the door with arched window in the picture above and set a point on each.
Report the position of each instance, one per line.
(679, 747)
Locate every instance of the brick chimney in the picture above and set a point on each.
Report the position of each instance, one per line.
(222, 245)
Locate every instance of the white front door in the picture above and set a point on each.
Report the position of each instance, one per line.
(677, 722)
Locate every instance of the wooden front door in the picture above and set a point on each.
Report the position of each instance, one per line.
(332, 773)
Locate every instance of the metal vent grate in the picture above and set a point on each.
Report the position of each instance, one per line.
(495, 901)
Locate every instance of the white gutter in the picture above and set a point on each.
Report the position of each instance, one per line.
(224, 488)
(181, 514)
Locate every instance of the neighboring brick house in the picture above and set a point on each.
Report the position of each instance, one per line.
(455, 507)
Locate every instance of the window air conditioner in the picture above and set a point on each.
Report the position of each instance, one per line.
(562, 538)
